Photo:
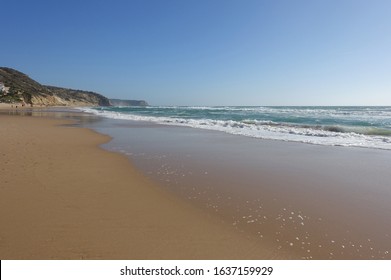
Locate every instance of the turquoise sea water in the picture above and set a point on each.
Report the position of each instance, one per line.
(335, 126)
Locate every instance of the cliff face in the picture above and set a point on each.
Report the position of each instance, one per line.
(17, 87)
(79, 97)
(122, 102)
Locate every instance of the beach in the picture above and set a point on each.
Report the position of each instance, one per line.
(196, 130)
(63, 197)
(313, 201)
(169, 192)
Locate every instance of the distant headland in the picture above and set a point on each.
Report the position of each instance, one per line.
(123, 102)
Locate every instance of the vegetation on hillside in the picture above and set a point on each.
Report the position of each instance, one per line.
(23, 89)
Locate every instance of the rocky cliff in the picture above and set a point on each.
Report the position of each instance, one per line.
(16, 87)
(74, 97)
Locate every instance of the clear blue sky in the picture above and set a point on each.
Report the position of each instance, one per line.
(214, 52)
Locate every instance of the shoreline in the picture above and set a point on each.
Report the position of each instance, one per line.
(63, 197)
(280, 200)
(314, 201)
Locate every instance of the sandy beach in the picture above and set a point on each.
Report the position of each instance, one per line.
(78, 186)
(63, 197)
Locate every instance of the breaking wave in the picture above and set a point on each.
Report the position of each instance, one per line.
(335, 126)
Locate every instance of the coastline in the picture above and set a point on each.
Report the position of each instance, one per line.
(215, 196)
(63, 197)
(314, 201)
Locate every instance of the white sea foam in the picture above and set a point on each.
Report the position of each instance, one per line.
(321, 135)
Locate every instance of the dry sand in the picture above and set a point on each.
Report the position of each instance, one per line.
(63, 197)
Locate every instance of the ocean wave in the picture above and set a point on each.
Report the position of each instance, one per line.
(360, 130)
(333, 135)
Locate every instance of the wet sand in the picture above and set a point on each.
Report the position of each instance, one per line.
(63, 197)
(316, 202)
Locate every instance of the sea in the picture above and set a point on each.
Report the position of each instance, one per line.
(367, 127)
